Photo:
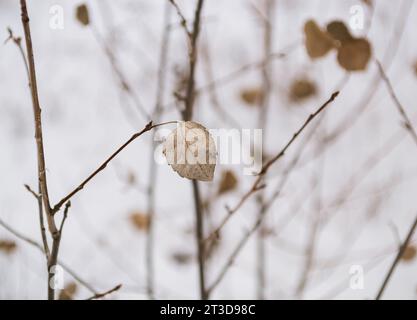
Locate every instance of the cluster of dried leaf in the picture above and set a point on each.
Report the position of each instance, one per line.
(353, 54)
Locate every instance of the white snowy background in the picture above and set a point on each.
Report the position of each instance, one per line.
(86, 117)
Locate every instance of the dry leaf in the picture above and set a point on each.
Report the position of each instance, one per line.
(182, 257)
(140, 220)
(8, 246)
(82, 14)
(68, 292)
(409, 253)
(252, 96)
(354, 55)
(191, 152)
(317, 41)
(302, 89)
(228, 182)
(339, 31)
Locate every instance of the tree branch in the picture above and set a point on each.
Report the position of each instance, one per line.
(397, 259)
(147, 128)
(102, 295)
(257, 185)
(38, 246)
(407, 122)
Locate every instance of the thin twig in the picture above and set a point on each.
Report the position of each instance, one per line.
(257, 185)
(38, 246)
(190, 94)
(18, 42)
(121, 77)
(182, 18)
(147, 128)
(106, 293)
(266, 74)
(161, 83)
(261, 216)
(310, 250)
(212, 90)
(397, 259)
(38, 198)
(235, 253)
(409, 127)
(369, 93)
(407, 122)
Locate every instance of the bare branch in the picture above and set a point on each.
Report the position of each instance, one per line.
(257, 185)
(147, 128)
(38, 198)
(397, 259)
(37, 118)
(106, 293)
(407, 122)
(38, 246)
(182, 18)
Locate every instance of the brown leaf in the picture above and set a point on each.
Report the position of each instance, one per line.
(8, 246)
(354, 55)
(339, 31)
(68, 292)
(409, 253)
(191, 152)
(317, 41)
(252, 96)
(140, 220)
(82, 14)
(302, 89)
(182, 257)
(228, 182)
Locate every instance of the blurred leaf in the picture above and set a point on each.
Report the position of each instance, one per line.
(354, 55)
(415, 68)
(140, 221)
(409, 253)
(182, 257)
(228, 182)
(302, 89)
(68, 292)
(339, 31)
(317, 41)
(252, 96)
(82, 15)
(8, 246)
(369, 3)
